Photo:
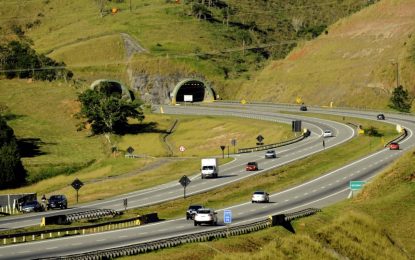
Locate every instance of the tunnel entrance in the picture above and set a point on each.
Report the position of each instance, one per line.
(194, 88)
(198, 89)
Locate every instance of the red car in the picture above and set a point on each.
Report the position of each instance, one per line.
(393, 146)
(252, 166)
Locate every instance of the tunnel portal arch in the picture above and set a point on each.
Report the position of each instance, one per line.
(200, 91)
(112, 87)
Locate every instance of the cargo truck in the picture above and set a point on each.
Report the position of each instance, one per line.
(210, 168)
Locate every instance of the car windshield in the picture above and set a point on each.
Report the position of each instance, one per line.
(54, 197)
(271, 152)
(203, 211)
(195, 207)
(208, 167)
(251, 163)
(259, 192)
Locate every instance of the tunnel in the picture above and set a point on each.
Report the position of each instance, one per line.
(198, 89)
(111, 88)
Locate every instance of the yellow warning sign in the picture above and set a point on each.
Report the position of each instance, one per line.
(161, 110)
(243, 101)
(361, 131)
(298, 100)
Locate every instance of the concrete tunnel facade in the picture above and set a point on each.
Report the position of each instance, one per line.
(200, 91)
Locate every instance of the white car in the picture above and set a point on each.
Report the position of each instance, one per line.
(206, 216)
(260, 196)
(327, 133)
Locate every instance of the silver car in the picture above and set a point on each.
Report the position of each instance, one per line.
(260, 196)
(270, 154)
(206, 216)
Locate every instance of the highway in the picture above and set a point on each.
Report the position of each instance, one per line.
(319, 192)
(231, 172)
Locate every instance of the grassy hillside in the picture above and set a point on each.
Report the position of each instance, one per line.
(227, 46)
(351, 65)
(377, 224)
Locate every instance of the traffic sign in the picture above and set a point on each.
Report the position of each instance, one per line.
(184, 181)
(182, 148)
(260, 138)
(130, 150)
(77, 184)
(357, 185)
(227, 216)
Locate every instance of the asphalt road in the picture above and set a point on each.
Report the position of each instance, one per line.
(319, 192)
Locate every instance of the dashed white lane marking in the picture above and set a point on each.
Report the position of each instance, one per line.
(50, 248)
(314, 190)
(122, 236)
(99, 240)
(338, 181)
(252, 210)
(161, 230)
(144, 233)
(305, 194)
(286, 200)
(296, 197)
(264, 207)
(322, 187)
(180, 227)
(344, 177)
(76, 244)
(240, 213)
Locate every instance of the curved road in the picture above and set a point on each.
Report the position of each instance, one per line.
(319, 192)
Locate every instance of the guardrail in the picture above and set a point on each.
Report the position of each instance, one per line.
(145, 247)
(270, 146)
(399, 138)
(78, 230)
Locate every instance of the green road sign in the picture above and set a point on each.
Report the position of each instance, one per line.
(357, 185)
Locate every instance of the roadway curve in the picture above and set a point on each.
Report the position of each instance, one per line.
(231, 172)
(319, 192)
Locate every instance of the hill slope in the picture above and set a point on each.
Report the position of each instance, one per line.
(351, 65)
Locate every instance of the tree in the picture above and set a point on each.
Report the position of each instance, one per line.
(400, 99)
(12, 172)
(108, 114)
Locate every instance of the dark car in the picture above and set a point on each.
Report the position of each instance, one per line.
(31, 206)
(191, 211)
(58, 201)
(393, 146)
(303, 108)
(270, 154)
(252, 166)
(381, 117)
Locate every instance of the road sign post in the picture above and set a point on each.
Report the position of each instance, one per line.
(77, 184)
(184, 181)
(233, 142)
(182, 149)
(222, 147)
(125, 203)
(260, 138)
(227, 219)
(356, 185)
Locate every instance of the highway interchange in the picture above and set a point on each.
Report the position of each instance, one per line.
(319, 192)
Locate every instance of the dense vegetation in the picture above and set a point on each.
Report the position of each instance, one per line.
(18, 59)
(400, 99)
(12, 173)
(108, 113)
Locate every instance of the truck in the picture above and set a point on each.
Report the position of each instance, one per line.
(210, 168)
